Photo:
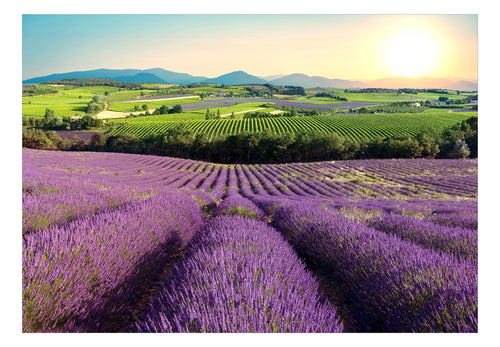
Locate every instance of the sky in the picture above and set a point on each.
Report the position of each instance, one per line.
(355, 47)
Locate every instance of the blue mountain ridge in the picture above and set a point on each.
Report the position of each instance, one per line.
(159, 75)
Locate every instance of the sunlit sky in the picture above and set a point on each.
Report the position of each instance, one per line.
(355, 47)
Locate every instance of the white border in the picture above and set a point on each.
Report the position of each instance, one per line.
(11, 16)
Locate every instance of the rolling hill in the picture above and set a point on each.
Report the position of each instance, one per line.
(305, 81)
(156, 75)
(236, 77)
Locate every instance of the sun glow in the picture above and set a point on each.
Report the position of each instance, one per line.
(412, 52)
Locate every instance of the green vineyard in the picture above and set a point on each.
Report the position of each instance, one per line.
(357, 127)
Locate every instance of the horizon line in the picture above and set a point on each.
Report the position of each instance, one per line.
(260, 76)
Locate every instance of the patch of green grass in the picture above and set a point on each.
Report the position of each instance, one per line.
(392, 97)
(66, 103)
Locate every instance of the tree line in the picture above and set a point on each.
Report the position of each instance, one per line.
(51, 122)
(36, 89)
(459, 141)
(329, 95)
(397, 107)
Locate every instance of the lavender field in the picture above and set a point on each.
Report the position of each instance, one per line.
(118, 242)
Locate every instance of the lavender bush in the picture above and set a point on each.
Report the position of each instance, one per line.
(73, 275)
(455, 220)
(391, 284)
(457, 241)
(241, 277)
(102, 230)
(238, 205)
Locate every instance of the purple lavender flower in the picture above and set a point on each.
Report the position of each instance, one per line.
(74, 275)
(238, 205)
(390, 284)
(240, 277)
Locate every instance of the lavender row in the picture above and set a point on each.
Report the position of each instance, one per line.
(391, 284)
(457, 241)
(238, 205)
(44, 210)
(371, 178)
(242, 276)
(80, 276)
(455, 220)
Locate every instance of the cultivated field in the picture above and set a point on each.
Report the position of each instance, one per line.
(71, 101)
(126, 243)
(362, 126)
(196, 114)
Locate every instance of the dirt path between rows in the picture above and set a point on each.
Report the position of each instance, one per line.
(240, 112)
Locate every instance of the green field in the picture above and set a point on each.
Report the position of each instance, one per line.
(393, 97)
(128, 106)
(71, 101)
(128, 94)
(364, 126)
(192, 115)
(68, 102)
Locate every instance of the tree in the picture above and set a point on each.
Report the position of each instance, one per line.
(49, 116)
(97, 142)
(402, 147)
(93, 107)
(428, 142)
(164, 109)
(98, 98)
(175, 109)
(35, 138)
(62, 144)
(144, 107)
(460, 150)
(125, 143)
(232, 115)
(85, 122)
(472, 144)
(57, 122)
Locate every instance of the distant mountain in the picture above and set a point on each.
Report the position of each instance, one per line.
(236, 77)
(298, 79)
(140, 78)
(422, 83)
(158, 75)
(125, 75)
(272, 77)
(100, 73)
(175, 77)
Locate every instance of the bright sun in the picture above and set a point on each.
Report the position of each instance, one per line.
(412, 52)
